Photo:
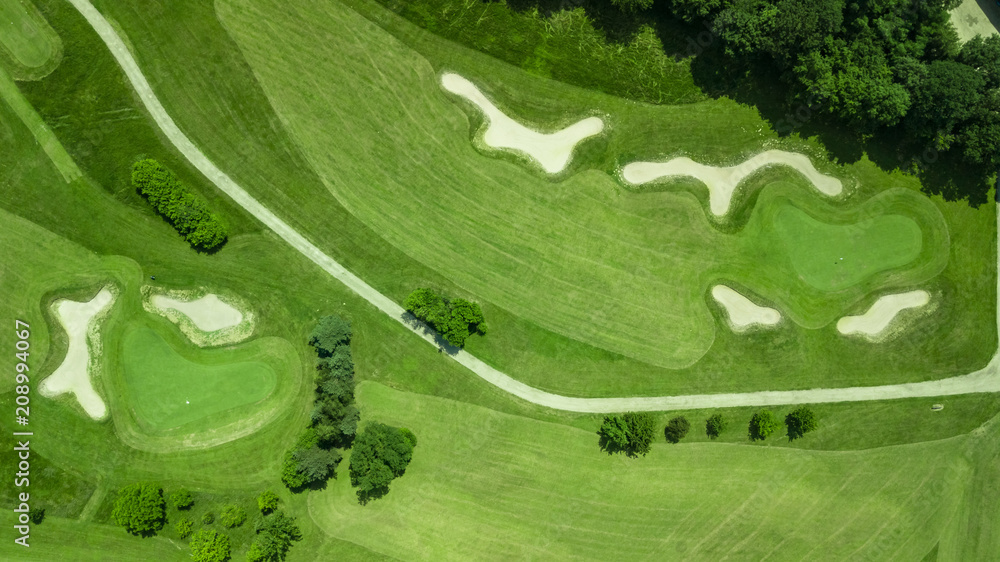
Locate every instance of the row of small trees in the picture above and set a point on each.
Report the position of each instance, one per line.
(202, 228)
(633, 433)
(454, 319)
(334, 418)
(141, 509)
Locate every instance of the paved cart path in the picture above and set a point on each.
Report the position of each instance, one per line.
(985, 380)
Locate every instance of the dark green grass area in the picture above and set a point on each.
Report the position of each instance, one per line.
(169, 390)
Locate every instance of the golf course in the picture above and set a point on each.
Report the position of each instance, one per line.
(674, 261)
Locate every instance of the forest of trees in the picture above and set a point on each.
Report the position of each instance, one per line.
(191, 216)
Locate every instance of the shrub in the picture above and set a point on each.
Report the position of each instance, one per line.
(208, 518)
(232, 516)
(676, 429)
(210, 546)
(762, 424)
(267, 501)
(800, 422)
(454, 319)
(140, 508)
(182, 499)
(380, 454)
(184, 528)
(409, 436)
(715, 425)
(171, 198)
(631, 433)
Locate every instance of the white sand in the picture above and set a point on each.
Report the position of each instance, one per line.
(553, 150)
(743, 312)
(722, 181)
(208, 313)
(79, 320)
(881, 314)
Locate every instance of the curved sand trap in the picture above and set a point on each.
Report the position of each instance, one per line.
(553, 150)
(206, 320)
(880, 315)
(743, 312)
(80, 321)
(722, 181)
(208, 313)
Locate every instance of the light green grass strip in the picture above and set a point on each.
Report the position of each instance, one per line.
(169, 391)
(25, 35)
(486, 485)
(43, 134)
(831, 257)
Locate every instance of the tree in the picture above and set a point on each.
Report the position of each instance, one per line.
(183, 210)
(184, 527)
(948, 95)
(983, 55)
(140, 508)
(454, 319)
(380, 454)
(36, 514)
(631, 433)
(799, 422)
(762, 424)
(316, 464)
(676, 429)
(330, 333)
(232, 516)
(208, 518)
(633, 5)
(267, 501)
(715, 425)
(275, 534)
(182, 499)
(210, 546)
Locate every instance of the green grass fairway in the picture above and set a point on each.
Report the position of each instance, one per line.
(502, 487)
(831, 257)
(168, 390)
(25, 37)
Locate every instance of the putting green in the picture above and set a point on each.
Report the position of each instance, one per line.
(831, 257)
(25, 35)
(168, 390)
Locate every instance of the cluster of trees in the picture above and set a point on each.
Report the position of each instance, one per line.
(202, 228)
(889, 69)
(631, 433)
(334, 418)
(380, 454)
(141, 509)
(454, 319)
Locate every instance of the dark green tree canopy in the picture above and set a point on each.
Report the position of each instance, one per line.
(267, 501)
(232, 516)
(140, 508)
(330, 333)
(275, 535)
(182, 499)
(676, 429)
(715, 425)
(799, 422)
(762, 424)
(380, 454)
(631, 433)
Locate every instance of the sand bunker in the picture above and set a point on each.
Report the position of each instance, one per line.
(208, 313)
(744, 313)
(205, 319)
(722, 181)
(881, 314)
(553, 150)
(80, 320)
